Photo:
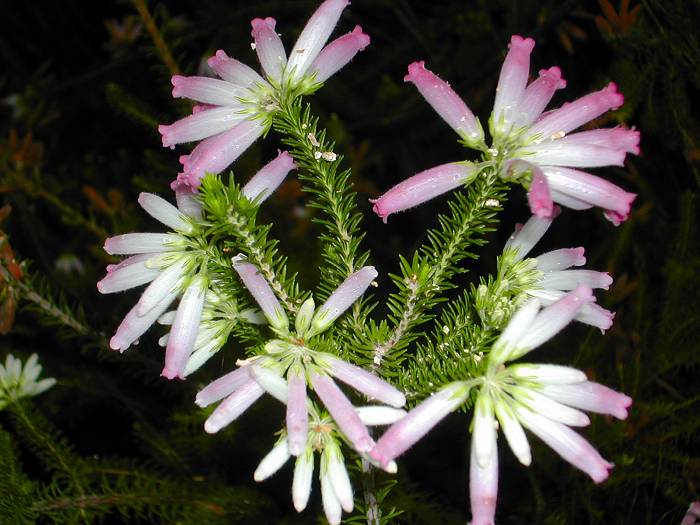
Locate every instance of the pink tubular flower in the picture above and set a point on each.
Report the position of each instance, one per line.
(313, 37)
(408, 431)
(261, 291)
(365, 382)
(342, 411)
(511, 85)
(342, 298)
(424, 186)
(238, 109)
(184, 330)
(297, 416)
(483, 486)
(446, 103)
(337, 54)
(270, 176)
(269, 48)
(567, 443)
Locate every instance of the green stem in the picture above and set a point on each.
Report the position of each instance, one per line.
(156, 36)
(60, 456)
(46, 306)
(257, 256)
(483, 201)
(331, 192)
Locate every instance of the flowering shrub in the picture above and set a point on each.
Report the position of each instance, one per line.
(269, 323)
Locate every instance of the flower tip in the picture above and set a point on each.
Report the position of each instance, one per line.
(211, 428)
(217, 58)
(579, 256)
(616, 99)
(602, 472)
(169, 373)
(526, 43)
(260, 24)
(115, 343)
(554, 74)
(377, 208)
(363, 39)
(415, 69)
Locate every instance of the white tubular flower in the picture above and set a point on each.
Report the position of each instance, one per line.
(290, 364)
(17, 381)
(238, 109)
(550, 275)
(323, 436)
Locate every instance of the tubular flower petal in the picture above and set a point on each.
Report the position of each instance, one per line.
(216, 153)
(342, 411)
(365, 382)
(269, 48)
(342, 298)
(446, 103)
(483, 486)
(297, 416)
(261, 291)
(423, 187)
(511, 84)
(184, 329)
(337, 54)
(233, 71)
(233, 406)
(270, 176)
(417, 423)
(537, 96)
(313, 37)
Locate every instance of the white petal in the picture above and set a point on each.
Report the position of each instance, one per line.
(274, 461)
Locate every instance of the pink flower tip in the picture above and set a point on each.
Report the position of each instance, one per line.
(601, 472)
(526, 43)
(382, 459)
(617, 217)
(362, 39)
(164, 129)
(171, 374)
(177, 81)
(579, 253)
(415, 70)
(217, 58)
(616, 98)
(377, 208)
(260, 24)
(554, 73)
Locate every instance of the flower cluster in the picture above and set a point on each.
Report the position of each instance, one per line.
(17, 381)
(235, 110)
(548, 277)
(323, 437)
(289, 364)
(529, 145)
(175, 265)
(542, 398)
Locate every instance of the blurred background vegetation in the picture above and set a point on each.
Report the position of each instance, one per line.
(83, 86)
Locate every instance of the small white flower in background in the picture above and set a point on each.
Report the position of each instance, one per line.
(290, 364)
(323, 437)
(548, 276)
(17, 382)
(542, 398)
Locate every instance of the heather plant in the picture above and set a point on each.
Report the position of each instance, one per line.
(353, 353)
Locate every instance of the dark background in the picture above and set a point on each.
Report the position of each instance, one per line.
(82, 89)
